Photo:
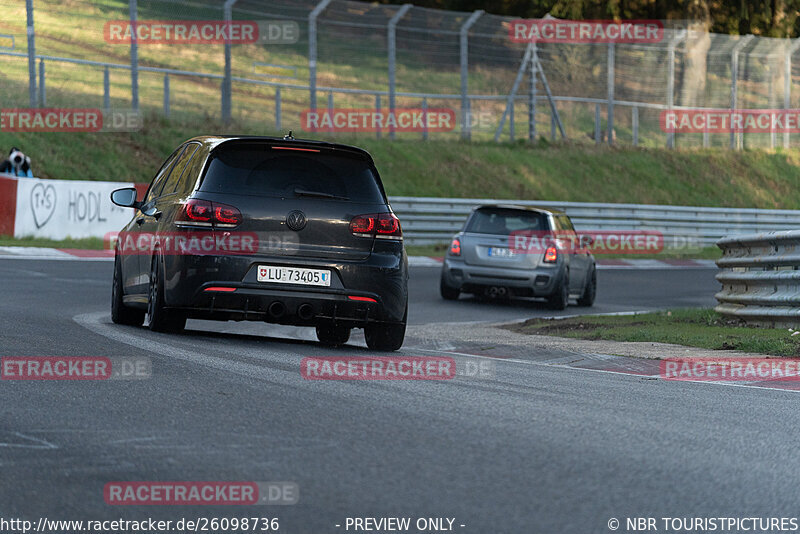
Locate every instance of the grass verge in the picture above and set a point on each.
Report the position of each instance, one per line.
(702, 328)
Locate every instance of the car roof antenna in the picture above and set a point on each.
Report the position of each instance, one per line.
(288, 136)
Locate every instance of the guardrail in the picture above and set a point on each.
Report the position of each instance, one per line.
(435, 220)
(760, 278)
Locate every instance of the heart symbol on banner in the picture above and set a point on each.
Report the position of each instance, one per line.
(43, 203)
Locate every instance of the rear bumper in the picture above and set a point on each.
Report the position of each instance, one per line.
(249, 303)
(541, 281)
(381, 277)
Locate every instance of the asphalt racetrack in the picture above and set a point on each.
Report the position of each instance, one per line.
(535, 446)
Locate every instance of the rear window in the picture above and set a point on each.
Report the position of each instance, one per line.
(499, 221)
(262, 171)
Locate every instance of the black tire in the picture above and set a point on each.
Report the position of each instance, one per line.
(448, 293)
(590, 291)
(333, 336)
(386, 337)
(161, 319)
(560, 298)
(121, 314)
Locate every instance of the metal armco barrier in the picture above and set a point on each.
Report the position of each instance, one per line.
(760, 278)
(435, 220)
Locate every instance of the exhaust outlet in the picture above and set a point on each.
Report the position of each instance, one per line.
(305, 311)
(276, 309)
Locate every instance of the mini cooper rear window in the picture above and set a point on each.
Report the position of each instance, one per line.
(500, 221)
(259, 170)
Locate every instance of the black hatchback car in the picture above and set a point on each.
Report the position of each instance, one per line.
(268, 229)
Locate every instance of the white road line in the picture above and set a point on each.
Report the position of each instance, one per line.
(38, 443)
(607, 371)
(93, 322)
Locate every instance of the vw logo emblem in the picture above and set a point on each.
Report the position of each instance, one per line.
(296, 220)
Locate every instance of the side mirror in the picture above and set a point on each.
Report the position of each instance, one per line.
(125, 197)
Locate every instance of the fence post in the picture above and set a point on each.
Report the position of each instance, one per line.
(278, 109)
(671, 80)
(464, 46)
(227, 84)
(106, 89)
(734, 82)
(42, 85)
(134, 57)
(526, 57)
(377, 111)
(532, 95)
(166, 95)
(31, 54)
(312, 51)
(635, 125)
(511, 121)
(392, 51)
(597, 123)
(425, 118)
(610, 125)
(330, 103)
(787, 82)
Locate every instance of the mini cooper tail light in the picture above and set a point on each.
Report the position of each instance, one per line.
(551, 254)
(455, 247)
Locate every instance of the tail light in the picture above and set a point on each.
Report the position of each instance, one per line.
(381, 225)
(197, 212)
(455, 247)
(551, 254)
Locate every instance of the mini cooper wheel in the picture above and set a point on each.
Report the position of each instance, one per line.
(560, 298)
(590, 291)
(448, 292)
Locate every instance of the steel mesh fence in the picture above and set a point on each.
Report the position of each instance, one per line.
(348, 53)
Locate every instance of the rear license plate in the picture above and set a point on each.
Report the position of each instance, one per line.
(500, 252)
(294, 275)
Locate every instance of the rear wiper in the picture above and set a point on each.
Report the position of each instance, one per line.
(317, 194)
